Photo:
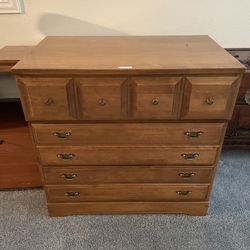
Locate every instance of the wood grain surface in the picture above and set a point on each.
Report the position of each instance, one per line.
(114, 54)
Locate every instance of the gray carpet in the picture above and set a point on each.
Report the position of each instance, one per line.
(24, 223)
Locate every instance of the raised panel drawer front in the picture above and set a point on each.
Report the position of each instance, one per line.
(46, 98)
(156, 97)
(102, 98)
(122, 155)
(127, 192)
(209, 97)
(129, 134)
(125, 174)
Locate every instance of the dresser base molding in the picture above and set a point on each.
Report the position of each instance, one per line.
(189, 208)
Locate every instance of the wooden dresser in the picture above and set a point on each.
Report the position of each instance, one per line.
(128, 124)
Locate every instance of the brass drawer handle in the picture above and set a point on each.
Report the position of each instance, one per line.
(155, 101)
(49, 101)
(69, 177)
(62, 134)
(65, 156)
(102, 102)
(193, 134)
(186, 175)
(189, 156)
(183, 193)
(210, 101)
(72, 194)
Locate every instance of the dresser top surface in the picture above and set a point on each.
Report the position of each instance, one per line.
(90, 54)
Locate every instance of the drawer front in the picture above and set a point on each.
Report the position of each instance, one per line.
(122, 155)
(134, 133)
(16, 148)
(46, 98)
(125, 174)
(18, 163)
(127, 192)
(156, 97)
(209, 97)
(102, 98)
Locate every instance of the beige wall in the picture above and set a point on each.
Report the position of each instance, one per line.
(227, 21)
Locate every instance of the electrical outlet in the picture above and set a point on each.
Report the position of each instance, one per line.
(11, 6)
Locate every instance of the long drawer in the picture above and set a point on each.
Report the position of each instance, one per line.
(127, 192)
(129, 133)
(126, 174)
(123, 155)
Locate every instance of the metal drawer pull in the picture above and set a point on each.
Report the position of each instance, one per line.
(72, 194)
(186, 175)
(189, 156)
(62, 134)
(210, 101)
(193, 134)
(102, 102)
(155, 101)
(49, 101)
(65, 156)
(69, 177)
(183, 193)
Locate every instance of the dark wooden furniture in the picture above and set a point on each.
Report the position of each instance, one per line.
(18, 165)
(238, 132)
(128, 124)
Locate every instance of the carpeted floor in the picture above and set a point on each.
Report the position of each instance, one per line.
(24, 223)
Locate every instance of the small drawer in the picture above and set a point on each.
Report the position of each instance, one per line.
(47, 98)
(129, 134)
(123, 155)
(127, 192)
(125, 174)
(156, 97)
(102, 98)
(209, 97)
